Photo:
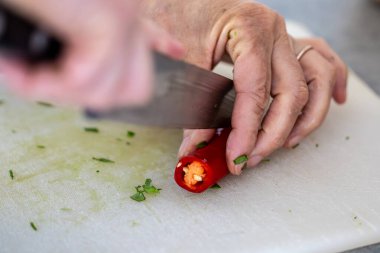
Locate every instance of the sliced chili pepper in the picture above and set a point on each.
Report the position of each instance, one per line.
(205, 166)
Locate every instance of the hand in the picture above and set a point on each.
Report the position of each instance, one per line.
(265, 66)
(107, 60)
(326, 76)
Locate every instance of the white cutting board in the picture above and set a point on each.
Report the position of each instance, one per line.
(310, 199)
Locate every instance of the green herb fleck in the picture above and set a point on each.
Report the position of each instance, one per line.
(41, 103)
(295, 146)
(146, 188)
(11, 174)
(97, 171)
(91, 129)
(134, 224)
(241, 159)
(139, 195)
(149, 188)
(290, 210)
(347, 138)
(1, 102)
(215, 186)
(316, 145)
(34, 227)
(13, 131)
(128, 143)
(202, 144)
(66, 209)
(265, 160)
(41, 146)
(103, 160)
(130, 134)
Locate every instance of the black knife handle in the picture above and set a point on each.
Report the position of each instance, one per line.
(20, 37)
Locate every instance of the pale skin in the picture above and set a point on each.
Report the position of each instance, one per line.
(109, 53)
(265, 65)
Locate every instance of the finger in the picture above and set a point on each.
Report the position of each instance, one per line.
(321, 77)
(340, 88)
(27, 82)
(163, 42)
(290, 94)
(192, 138)
(252, 76)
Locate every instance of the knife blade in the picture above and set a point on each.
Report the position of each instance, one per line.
(186, 96)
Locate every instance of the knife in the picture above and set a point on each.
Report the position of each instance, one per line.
(185, 96)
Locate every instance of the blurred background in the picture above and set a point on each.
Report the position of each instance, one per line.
(352, 28)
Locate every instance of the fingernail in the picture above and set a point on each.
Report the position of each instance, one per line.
(255, 160)
(240, 162)
(294, 141)
(239, 168)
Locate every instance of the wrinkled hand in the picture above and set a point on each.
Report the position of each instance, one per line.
(326, 77)
(107, 60)
(265, 66)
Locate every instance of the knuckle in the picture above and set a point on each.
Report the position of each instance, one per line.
(260, 100)
(278, 141)
(321, 42)
(301, 94)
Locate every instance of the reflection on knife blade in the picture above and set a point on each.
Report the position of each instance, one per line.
(186, 96)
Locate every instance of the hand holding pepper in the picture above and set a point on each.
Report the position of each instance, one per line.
(265, 65)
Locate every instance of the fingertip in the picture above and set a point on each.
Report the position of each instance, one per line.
(340, 96)
(192, 138)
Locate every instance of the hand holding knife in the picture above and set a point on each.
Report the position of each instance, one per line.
(185, 96)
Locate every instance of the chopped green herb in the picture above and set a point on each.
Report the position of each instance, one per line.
(295, 146)
(139, 195)
(41, 146)
(316, 145)
(149, 188)
(202, 144)
(215, 186)
(355, 217)
(97, 171)
(131, 134)
(290, 210)
(41, 103)
(34, 227)
(103, 160)
(91, 129)
(128, 143)
(66, 209)
(146, 188)
(265, 160)
(241, 159)
(11, 174)
(347, 138)
(13, 131)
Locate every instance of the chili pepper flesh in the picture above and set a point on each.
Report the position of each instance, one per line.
(194, 174)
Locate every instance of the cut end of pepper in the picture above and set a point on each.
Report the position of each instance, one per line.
(194, 173)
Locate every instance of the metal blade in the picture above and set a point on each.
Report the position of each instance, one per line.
(186, 96)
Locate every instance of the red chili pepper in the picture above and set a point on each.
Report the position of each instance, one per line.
(210, 159)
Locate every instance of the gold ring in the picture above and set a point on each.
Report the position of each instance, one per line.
(304, 51)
